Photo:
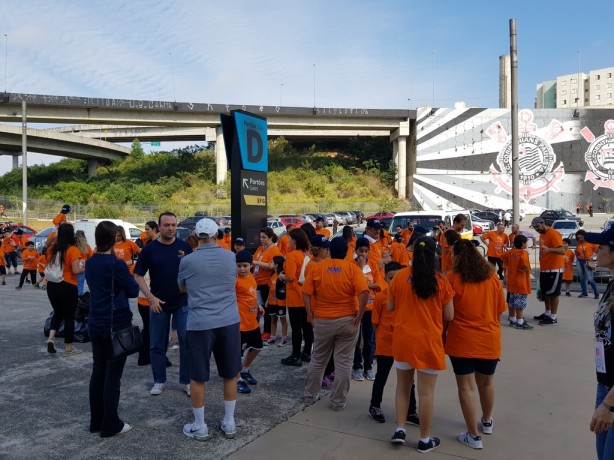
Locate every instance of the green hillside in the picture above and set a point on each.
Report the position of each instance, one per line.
(301, 178)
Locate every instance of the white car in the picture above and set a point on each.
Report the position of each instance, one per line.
(566, 227)
(277, 226)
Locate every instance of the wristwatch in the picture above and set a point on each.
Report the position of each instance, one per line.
(607, 406)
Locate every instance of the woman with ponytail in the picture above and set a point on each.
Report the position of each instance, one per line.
(422, 300)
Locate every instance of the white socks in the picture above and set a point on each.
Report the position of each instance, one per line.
(199, 416)
(229, 411)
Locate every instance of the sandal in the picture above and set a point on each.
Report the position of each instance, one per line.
(51, 346)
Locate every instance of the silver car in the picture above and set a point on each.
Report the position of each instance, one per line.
(347, 216)
(566, 227)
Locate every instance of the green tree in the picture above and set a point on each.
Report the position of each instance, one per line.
(136, 150)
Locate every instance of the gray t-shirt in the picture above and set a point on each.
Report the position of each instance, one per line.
(209, 274)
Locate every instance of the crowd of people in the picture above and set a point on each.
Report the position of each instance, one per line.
(404, 301)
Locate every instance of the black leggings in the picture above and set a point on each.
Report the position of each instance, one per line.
(144, 351)
(264, 293)
(497, 262)
(384, 364)
(63, 297)
(300, 329)
(24, 273)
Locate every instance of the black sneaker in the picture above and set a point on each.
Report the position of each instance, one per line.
(243, 388)
(424, 447)
(398, 437)
(568, 294)
(596, 296)
(540, 317)
(413, 419)
(583, 295)
(377, 414)
(248, 378)
(547, 320)
(305, 357)
(292, 361)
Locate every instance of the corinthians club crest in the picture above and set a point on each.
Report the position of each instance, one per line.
(600, 156)
(535, 157)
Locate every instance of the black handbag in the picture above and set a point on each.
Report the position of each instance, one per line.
(123, 342)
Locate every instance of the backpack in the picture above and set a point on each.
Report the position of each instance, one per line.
(54, 273)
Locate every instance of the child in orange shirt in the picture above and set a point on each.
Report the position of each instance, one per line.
(41, 263)
(247, 300)
(397, 248)
(277, 304)
(29, 257)
(518, 276)
(568, 273)
(382, 322)
(2, 266)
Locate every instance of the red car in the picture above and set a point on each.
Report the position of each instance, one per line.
(297, 221)
(28, 232)
(477, 229)
(380, 215)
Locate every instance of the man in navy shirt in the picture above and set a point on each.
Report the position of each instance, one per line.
(161, 259)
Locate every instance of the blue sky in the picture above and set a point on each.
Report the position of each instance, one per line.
(366, 53)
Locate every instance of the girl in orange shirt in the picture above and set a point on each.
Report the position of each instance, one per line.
(473, 340)
(86, 253)
(422, 300)
(276, 304)
(263, 269)
(301, 328)
(568, 273)
(125, 249)
(350, 238)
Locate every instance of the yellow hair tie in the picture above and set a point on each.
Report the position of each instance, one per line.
(422, 243)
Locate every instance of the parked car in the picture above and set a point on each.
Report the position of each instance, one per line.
(307, 218)
(360, 216)
(550, 215)
(566, 227)
(477, 229)
(294, 220)
(487, 225)
(357, 231)
(488, 215)
(89, 227)
(380, 215)
(183, 233)
(27, 232)
(190, 222)
(607, 223)
(348, 216)
(41, 238)
(277, 226)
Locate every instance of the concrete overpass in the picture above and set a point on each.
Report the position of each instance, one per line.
(161, 120)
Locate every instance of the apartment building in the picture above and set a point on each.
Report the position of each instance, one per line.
(577, 90)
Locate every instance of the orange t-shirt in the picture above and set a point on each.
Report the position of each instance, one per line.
(292, 268)
(2, 260)
(418, 323)
(406, 235)
(126, 250)
(8, 245)
(476, 331)
(273, 301)
(71, 254)
(351, 248)
(283, 244)
(323, 231)
(88, 253)
(518, 271)
(334, 286)
(247, 300)
(397, 250)
(372, 275)
(548, 261)
(446, 251)
(569, 258)
(57, 220)
(496, 243)
(29, 258)
(384, 320)
(375, 251)
(585, 251)
(263, 275)
(41, 263)
(51, 235)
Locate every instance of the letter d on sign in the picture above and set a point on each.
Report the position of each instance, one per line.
(254, 146)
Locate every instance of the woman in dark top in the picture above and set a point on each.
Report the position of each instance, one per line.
(601, 422)
(103, 273)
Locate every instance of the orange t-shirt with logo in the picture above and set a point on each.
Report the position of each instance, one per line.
(496, 243)
(585, 251)
(292, 269)
(247, 300)
(384, 320)
(283, 244)
(406, 235)
(126, 250)
(397, 250)
(323, 231)
(335, 285)
(272, 300)
(372, 275)
(57, 220)
(418, 323)
(263, 275)
(569, 258)
(548, 261)
(475, 331)
(71, 254)
(518, 271)
(8, 245)
(29, 258)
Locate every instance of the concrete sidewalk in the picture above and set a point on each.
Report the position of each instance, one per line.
(545, 385)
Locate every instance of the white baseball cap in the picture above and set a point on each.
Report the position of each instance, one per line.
(206, 227)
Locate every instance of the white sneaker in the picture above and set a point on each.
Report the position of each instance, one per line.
(487, 426)
(357, 375)
(370, 375)
(126, 428)
(229, 429)
(156, 389)
(187, 390)
(472, 441)
(200, 434)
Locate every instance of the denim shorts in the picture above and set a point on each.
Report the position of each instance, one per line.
(223, 342)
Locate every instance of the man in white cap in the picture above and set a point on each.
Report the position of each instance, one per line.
(161, 259)
(208, 275)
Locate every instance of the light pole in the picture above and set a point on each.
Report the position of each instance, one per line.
(281, 94)
(6, 53)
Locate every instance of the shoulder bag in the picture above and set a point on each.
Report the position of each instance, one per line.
(123, 342)
(54, 272)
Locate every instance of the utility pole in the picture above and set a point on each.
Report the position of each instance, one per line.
(514, 114)
(24, 162)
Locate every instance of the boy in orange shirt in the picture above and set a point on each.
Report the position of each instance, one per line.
(383, 320)
(29, 257)
(2, 266)
(568, 273)
(41, 263)
(518, 275)
(247, 300)
(397, 248)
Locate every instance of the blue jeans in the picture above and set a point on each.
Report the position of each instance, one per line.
(604, 441)
(586, 274)
(159, 328)
(80, 283)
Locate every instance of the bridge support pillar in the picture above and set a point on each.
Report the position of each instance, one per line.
(221, 162)
(15, 161)
(92, 165)
(399, 148)
(395, 159)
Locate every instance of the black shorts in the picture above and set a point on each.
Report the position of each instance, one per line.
(2, 270)
(223, 342)
(276, 310)
(466, 366)
(251, 339)
(550, 283)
